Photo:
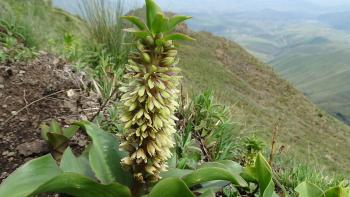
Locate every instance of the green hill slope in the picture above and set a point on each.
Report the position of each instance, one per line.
(259, 98)
(309, 51)
(322, 75)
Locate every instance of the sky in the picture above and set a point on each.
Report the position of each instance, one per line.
(331, 2)
(251, 5)
(222, 6)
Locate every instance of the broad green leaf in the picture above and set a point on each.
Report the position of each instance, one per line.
(262, 173)
(44, 130)
(176, 20)
(214, 186)
(138, 33)
(178, 36)
(29, 177)
(249, 175)
(70, 131)
(172, 161)
(336, 192)
(58, 142)
(151, 11)
(175, 172)
(70, 163)
(229, 165)
(136, 21)
(81, 186)
(213, 164)
(55, 127)
(158, 23)
(234, 167)
(104, 155)
(171, 187)
(208, 193)
(306, 189)
(206, 174)
(84, 160)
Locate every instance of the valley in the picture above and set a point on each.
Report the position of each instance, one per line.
(310, 50)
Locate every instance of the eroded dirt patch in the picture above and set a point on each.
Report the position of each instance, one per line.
(36, 92)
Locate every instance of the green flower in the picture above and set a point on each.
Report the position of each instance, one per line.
(150, 94)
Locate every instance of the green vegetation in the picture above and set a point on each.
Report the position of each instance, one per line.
(313, 56)
(14, 43)
(259, 100)
(312, 74)
(217, 148)
(76, 176)
(105, 31)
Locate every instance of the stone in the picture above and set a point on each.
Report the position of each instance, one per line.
(56, 61)
(71, 93)
(82, 142)
(5, 153)
(34, 147)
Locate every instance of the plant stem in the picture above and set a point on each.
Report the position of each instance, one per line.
(137, 188)
(104, 105)
(203, 148)
(273, 143)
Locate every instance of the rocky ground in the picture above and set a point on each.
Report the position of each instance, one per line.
(32, 93)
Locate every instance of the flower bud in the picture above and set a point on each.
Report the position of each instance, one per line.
(168, 44)
(168, 61)
(146, 58)
(153, 69)
(159, 49)
(171, 53)
(149, 41)
(140, 46)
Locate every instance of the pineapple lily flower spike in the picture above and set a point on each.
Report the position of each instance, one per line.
(149, 97)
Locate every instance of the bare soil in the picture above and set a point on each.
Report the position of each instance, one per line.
(47, 88)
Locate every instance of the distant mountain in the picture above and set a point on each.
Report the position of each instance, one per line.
(311, 50)
(211, 6)
(222, 6)
(338, 20)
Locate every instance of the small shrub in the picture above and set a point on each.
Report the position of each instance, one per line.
(292, 176)
(13, 42)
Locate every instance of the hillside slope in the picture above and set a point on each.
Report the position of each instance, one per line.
(309, 50)
(319, 77)
(260, 99)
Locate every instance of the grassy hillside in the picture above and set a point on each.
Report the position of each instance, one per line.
(310, 51)
(34, 17)
(259, 99)
(323, 76)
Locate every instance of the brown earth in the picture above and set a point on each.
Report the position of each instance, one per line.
(36, 92)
